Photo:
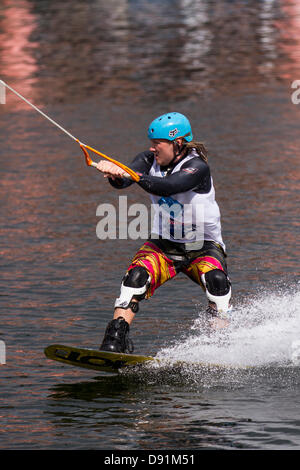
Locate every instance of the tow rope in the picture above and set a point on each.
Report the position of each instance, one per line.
(83, 146)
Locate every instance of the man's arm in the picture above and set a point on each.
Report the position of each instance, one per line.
(193, 175)
(141, 164)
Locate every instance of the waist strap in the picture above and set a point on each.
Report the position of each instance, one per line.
(185, 250)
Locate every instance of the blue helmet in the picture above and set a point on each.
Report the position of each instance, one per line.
(170, 126)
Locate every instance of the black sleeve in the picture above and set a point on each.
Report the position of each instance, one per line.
(141, 164)
(193, 175)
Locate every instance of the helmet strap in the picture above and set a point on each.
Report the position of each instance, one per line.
(177, 150)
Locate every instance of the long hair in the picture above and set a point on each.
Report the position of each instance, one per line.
(198, 146)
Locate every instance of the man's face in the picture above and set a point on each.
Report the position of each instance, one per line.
(163, 151)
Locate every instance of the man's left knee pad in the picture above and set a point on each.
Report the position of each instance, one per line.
(218, 288)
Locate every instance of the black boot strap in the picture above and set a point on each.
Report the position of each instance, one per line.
(134, 306)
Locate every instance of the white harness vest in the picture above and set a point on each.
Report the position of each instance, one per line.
(188, 216)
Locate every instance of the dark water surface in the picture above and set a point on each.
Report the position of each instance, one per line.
(104, 70)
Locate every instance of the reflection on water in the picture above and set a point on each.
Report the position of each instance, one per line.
(229, 66)
(17, 62)
(141, 49)
(290, 42)
(193, 416)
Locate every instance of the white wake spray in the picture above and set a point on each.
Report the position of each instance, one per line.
(264, 331)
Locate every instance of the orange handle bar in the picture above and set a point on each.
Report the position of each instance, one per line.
(90, 162)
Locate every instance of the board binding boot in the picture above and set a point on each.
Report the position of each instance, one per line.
(116, 337)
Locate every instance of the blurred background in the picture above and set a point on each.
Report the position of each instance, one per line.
(104, 70)
(148, 50)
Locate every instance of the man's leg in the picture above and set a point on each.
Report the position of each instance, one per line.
(209, 270)
(218, 292)
(133, 288)
(127, 314)
(150, 268)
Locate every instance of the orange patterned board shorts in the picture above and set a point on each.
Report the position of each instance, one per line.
(162, 268)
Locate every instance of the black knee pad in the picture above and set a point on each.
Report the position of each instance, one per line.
(134, 285)
(217, 282)
(136, 277)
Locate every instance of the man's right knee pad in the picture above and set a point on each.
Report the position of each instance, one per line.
(134, 285)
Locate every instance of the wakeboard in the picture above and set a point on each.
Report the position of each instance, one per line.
(94, 359)
(104, 361)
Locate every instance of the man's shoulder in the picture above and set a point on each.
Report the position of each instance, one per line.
(195, 162)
